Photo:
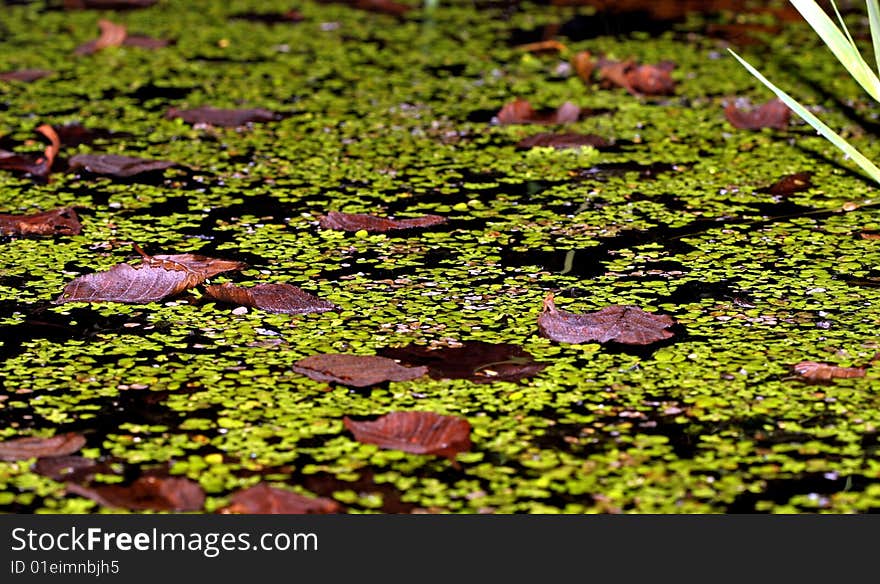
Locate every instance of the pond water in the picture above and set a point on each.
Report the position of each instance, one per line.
(395, 110)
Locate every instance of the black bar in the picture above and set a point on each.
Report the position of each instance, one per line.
(415, 548)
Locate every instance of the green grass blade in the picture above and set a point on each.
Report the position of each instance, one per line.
(874, 20)
(845, 30)
(838, 43)
(856, 156)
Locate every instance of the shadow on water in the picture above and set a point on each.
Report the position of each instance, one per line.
(83, 324)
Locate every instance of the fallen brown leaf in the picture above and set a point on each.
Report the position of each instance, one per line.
(355, 370)
(146, 493)
(229, 118)
(24, 75)
(38, 166)
(520, 111)
(772, 114)
(374, 224)
(36, 447)
(117, 165)
(548, 46)
(62, 221)
(155, 278)
(477, 361)
(790, 184)
(263, 499)
(814, 371)
(622, 324)
(284, 298)
(116, 35)
(415, 432)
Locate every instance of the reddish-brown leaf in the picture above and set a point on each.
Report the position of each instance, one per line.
(636, 78)
(24, 75)
(116, 35)
(74, 134)
(284, 298)
(355, 370)
(541, 47)
(38, 166)
(146, 493)
(202, 266)
(564, 140)
(772, 114)
(622, 324)
(62, 221)
(584, 65)
(652, 79)
(36, 447)
(520, 111)
(155, 278)
(117, 165)
(69, 468)
(477, 361)
(112, 35)
(229, 118)
(416, 432)
(373, 224)
(790, 184)
(263, 499)
(813, 371)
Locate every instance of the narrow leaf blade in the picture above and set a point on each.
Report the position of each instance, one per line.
(829, 134)
(838, 43)
(874, 20)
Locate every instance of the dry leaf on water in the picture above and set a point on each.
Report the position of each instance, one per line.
(38, 166)
(772, 114)
(24, 75)
(563, 140)
(116, 35)
(117, 165)
(374, 224)
(355, 370)
(540, 47)
(146, 493)
(69, 468)
(228, 118)
(622, 324)
(477, 361)
(415, 432)
(520, 111)
(584, 65)
(790, 184)
(36, 447)
(62, 221)
(813, 371)
(155, 278)
(638, 79)
(263, 499)
(74, 134)
(283, 298)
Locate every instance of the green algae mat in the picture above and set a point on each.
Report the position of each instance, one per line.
(706, 276)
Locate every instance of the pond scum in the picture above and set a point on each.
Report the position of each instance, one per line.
(395, 115)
